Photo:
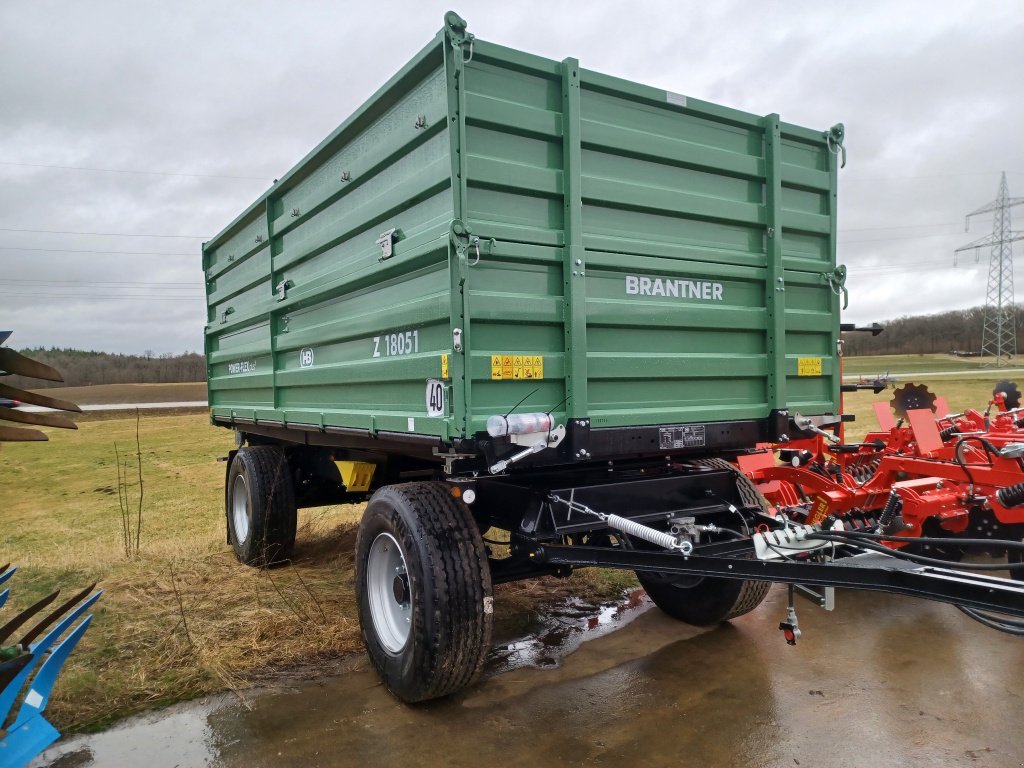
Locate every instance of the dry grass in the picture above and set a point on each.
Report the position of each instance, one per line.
(184, 618)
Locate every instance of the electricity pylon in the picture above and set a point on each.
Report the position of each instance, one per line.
(999, 334)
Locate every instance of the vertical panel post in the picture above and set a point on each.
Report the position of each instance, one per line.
(775, 283)
(833, 215)
(273, 315)
(574, 262)
(455, 38)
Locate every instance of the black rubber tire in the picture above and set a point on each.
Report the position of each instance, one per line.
(1016, 557)
(710, 601)
(449, 588)
(270, 504)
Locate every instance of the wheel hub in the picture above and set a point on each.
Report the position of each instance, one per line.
(240, 512)
(388, 592)
(400, 588)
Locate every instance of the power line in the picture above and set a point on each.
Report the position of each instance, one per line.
(104, 234)
(899, 226)
(111, 253)
(95, 298)
(902, 237)
(191, 284)
(32, 285)
(125, 170)
(926, 176)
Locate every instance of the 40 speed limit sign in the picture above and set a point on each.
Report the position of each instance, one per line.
(436, 398)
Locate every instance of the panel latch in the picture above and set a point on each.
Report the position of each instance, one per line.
(836, 280)
(834, 139)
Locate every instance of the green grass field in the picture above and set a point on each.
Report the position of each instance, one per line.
(916, 364)
(960, 392)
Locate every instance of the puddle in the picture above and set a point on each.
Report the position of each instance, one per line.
(200, 733)
(549, 637)
(181, 735)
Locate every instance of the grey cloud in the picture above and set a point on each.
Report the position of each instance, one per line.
(926, 91)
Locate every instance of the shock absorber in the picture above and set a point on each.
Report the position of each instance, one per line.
(888, 519)
(1011, 496)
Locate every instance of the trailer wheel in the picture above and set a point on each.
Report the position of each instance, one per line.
(1016, 557)
(424, 591)
(707, 602)
(260, 505)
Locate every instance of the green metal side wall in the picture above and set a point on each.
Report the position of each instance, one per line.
(316, 232)
(585, 181)
(578, 185)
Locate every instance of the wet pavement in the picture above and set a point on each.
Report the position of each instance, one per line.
(882, 681)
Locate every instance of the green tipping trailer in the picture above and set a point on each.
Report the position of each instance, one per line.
(513, 293)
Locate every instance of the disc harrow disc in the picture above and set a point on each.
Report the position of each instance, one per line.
(1010, 392)
(912, 397)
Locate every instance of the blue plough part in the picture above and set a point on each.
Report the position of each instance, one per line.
(24, 731)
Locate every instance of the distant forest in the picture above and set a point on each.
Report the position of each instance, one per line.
(957, 331)
(81, 368)
(946, 332)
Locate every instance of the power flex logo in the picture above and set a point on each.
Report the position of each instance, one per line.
(678, 289)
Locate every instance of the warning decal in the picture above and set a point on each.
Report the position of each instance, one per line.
(808, 366)
(505, 367)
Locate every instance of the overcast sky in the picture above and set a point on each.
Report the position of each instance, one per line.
(193, 108)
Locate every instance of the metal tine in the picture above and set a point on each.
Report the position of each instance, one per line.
(3, 597)
(18, 435)
(17, 363)
(62, 626)
(6, 574)
(55, 614)
(41, 419)
(39, 693)
(12, 626)
(34, 398)
(10, 669)
(9, 695)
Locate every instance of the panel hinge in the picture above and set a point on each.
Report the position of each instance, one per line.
(282, 289)
(386, 241)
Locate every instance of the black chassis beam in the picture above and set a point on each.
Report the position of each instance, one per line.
(872, 572)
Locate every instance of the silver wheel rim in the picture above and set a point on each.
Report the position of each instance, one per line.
(240, 508)
(387, 587)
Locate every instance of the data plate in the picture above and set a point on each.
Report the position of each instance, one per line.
(685, 436)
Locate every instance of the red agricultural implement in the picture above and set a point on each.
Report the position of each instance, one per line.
(929, 482)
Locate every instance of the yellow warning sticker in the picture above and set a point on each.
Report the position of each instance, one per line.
(819, 511)
(444, 366)
(517, 367)
(808, 366)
